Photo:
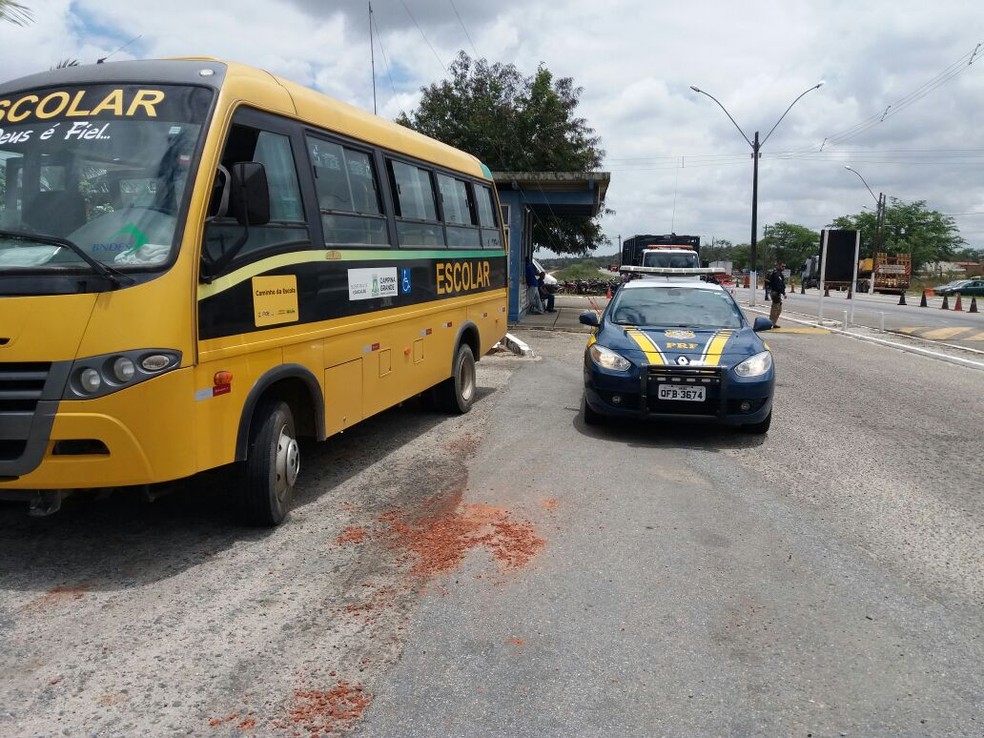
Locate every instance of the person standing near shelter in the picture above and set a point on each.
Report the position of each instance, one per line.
(546, 297)
(533, 288)
(776, 285)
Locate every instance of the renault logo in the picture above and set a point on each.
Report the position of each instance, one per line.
(683, 360)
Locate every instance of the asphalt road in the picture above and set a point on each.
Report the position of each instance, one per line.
(931, 322)
(515, 573)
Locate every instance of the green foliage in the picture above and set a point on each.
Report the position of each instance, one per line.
(969, 254)
(723, 250)
(786, 242)
(908, 228)
(515, 124)
(582, 270)
(15, 13)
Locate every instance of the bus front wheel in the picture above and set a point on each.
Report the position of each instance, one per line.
(271, 466)
(457, 393)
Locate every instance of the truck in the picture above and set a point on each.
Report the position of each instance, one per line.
(890, 273)
(810, 273)
(667, 250)
(723, 266)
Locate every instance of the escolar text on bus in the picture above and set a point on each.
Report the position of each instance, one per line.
(461, 276)
(82, 104)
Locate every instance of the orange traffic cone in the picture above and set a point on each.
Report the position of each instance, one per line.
(902, 299)
(946, 303)
(922, 302)
(957, 305)
(973, 305)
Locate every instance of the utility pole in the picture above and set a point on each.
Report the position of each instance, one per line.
(753, 274)
(756, 148)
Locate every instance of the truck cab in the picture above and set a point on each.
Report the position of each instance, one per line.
(670, 257)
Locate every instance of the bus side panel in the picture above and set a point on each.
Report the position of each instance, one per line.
(407, 357)
(492, 321)
(343, 396)
(220, 404)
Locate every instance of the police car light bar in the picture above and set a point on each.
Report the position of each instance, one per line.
(670, 271)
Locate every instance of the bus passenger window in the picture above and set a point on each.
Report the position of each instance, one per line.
(485, 207)
(348, 194)
(461, 229)
(413, 190)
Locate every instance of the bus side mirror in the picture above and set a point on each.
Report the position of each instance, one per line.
(249, 194)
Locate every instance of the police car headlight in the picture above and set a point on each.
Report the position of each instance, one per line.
(608, 359)
(755, 366)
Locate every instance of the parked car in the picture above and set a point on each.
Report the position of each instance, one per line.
(969, 288)
(950, 287)
(677, 350)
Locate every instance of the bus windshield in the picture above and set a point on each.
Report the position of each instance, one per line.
(102, 167)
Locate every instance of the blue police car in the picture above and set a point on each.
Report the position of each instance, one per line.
(677, 348)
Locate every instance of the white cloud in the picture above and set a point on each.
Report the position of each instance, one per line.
(676, 160)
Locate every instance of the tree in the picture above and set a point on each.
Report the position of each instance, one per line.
(908, 228)
(515, 124)
(788, 243)
(15, 13)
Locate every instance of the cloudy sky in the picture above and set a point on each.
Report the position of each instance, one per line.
(902, 101)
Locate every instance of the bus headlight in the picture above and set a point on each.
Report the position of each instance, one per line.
(123, 369)
(97, 376)
(90, 381)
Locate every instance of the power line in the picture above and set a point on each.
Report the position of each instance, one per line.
(462, 24)
(958, 67)
(424, 36)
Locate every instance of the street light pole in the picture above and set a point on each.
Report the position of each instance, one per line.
(879, 218)
(756, 148)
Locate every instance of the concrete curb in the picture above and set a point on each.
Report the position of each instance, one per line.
(520, 348)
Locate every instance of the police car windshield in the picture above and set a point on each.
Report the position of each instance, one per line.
(103, 167)
(675, 307)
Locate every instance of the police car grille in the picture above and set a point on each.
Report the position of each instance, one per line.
(707, 375)
(685, 376)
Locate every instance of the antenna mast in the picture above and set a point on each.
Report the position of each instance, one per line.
(103, 59)
(372, 58)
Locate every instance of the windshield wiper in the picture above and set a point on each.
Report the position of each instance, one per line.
(115, 277)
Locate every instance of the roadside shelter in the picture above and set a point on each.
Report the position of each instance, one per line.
(528, 196)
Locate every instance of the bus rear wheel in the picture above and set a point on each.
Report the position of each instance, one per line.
(457, 393)
(271, 467)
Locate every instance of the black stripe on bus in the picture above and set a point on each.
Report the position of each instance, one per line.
(323, 290)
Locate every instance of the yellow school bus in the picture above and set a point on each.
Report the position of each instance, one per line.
(201, 262)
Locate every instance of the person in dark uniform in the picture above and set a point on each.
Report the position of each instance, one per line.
(776, 285)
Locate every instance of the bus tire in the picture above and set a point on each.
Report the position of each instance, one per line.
(271, 467)
(457, 393)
